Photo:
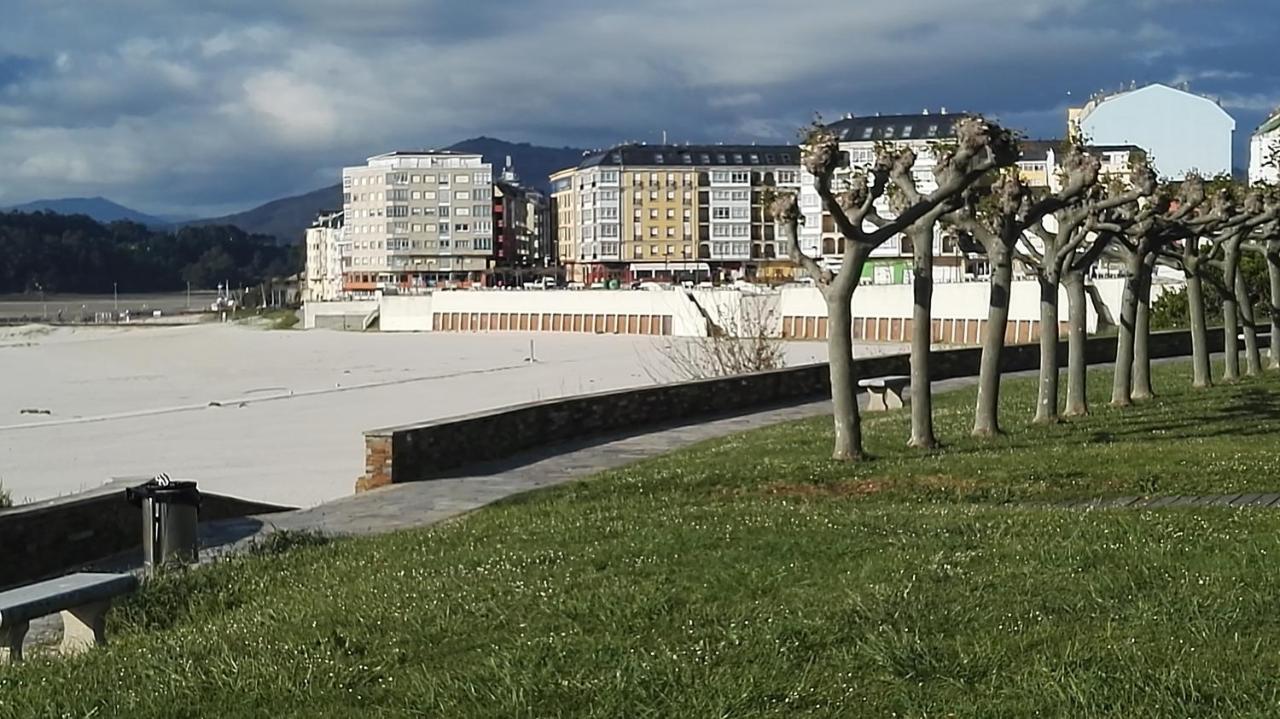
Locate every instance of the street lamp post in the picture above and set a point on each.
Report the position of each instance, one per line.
(115, 299)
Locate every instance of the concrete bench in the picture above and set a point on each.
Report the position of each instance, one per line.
(885, 393)
(83, 599)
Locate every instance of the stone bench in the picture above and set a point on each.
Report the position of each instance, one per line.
(885, 393)
(83, 599)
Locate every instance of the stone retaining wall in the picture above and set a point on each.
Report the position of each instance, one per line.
(429, 450)
(46, 538)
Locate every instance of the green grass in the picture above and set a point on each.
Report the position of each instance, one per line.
(749, 577)
(273, 319)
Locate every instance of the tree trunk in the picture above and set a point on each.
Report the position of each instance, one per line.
(1253, 358)
(922, 436)
(844, 380)
(986, 420)
(1077, 358)
(1142, 334)
(1230, 321)
(1273, 272)
(1201, 376)
(1122, 380)
(1047, 399)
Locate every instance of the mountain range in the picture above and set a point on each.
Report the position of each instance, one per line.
(287, 218)
(99, 208)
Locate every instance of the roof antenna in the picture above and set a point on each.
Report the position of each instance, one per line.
(664, 137)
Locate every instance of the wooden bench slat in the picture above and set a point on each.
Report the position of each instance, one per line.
(37, 600)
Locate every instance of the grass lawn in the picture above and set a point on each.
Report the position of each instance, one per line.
(749, 577)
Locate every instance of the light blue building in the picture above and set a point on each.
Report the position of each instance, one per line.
(1182, 131)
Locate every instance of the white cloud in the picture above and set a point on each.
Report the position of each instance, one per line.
(163, 104)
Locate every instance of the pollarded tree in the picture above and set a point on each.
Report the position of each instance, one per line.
(1137, 233)
(1065, 254)
(1268, 241)
(1236, 303)
(1192, 258)
(980, 148)
(998, 217)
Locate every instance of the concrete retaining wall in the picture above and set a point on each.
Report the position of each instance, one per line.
(881, 312)
(47, 538)
(432, 449)
(337, 315)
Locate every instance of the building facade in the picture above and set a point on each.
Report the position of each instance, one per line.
(891, 263)
(328, 252)
(417, 220)
(523, 246)
(1181, 131)
(1264, 152)
(675, 212)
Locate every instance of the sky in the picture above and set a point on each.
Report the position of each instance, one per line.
(201, 108)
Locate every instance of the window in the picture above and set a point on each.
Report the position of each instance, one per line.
(740, 195)
(653, 232)
(484, 225)
(653, 213)
(461, 227)
(415, 227)
(638, 253)
(480, 210)
(429, 195)
(737, 159)
(789, 177)
(462, 212)
(462, 195)
(740, 213)
(653, 195)
(444, 228)
(444, 210)
(463, 179)
(867, 132)
(720, 213)
(671, 194)
(637, 213)
(482, 194)
(671, 213)
(658, 159)
(415, 179)
(671, 232)
(739, 177)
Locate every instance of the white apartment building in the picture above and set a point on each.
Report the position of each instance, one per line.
(891, 262)
(417, 220)
(1264, 152)
(328, 256)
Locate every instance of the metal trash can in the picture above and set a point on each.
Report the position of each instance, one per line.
(170, 512)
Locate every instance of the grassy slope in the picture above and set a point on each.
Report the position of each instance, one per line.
(746, 577)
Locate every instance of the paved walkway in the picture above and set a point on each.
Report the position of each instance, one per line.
(418, 504)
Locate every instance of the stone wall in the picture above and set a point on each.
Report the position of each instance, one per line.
(46, 538)
(425, 451)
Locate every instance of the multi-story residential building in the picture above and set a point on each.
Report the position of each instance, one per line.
(859, 136)
(1264, 152)
(564, 218)
(521, 230)
(1181, 131)
(418, 219)
(692, 212)
(328, 251)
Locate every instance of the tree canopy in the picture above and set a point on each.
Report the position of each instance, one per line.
(74, 253)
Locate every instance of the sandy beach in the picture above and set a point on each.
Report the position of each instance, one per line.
(269, 415)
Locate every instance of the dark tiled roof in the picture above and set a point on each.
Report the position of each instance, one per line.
(897, 127)
(1038, 150)
(1272, 123)
(1113, 148)
(693, 156)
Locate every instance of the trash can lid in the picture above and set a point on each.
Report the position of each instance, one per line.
(182, 492)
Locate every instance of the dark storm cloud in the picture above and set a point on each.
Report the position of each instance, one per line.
(217, 105)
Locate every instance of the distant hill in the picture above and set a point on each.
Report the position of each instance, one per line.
(98, 208)
(288, 218)
(285, 219)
